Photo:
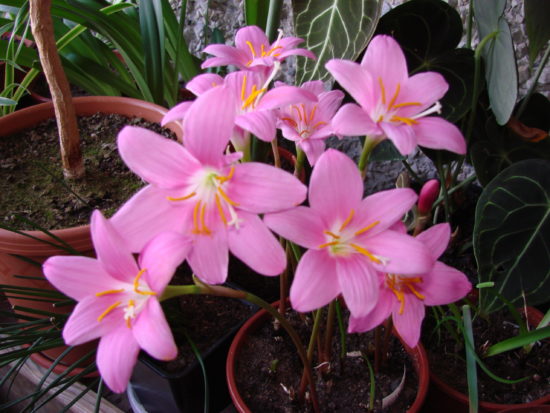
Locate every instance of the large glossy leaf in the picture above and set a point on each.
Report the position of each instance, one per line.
(537, 15)
(429, 32)
(512, 235)
(498, 54)
(331, 29)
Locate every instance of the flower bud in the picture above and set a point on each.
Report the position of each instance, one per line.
(428, 195)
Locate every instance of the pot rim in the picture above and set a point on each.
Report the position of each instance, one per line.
(418, 356)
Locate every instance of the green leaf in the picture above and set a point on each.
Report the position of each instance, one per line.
(498, 54)
(536, 24)
(499, 147)
(7, 102)
(518, 341)
(429, 32)
(385, 151)
(471, 367)
(152, 38)
(512, 235)
(332, 29)
(255, 13)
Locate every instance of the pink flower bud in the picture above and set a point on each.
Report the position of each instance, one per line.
(428, 195)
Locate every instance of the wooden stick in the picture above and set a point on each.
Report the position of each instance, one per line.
(69, 139)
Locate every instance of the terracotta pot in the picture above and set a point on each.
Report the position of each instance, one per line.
(13, 245)
(417, 354)
(443, 395)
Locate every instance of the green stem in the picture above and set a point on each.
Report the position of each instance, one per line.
(411, 171)
(442, 178)
(300, 158)
(534, 84)
(329, 332)
(276, 155)
(341, 329)
(477, 75)
(368, 146)
(455, 188)
(221, 291)
(273, 19)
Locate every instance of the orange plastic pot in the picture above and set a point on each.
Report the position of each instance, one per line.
(29, 244)
(417, 354)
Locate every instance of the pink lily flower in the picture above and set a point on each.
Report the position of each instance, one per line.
(309, 124)
(254, 105)
(118, 298)
(348, 238)
(254, 51)
(404, 297)
(198, 191)
(392, 104)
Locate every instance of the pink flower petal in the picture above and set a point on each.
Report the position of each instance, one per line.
(313, 149)
(352, 120)
(315, 282)
(202, 83)
(285, 95)
(401, 135)
(385, 60)
(256, 246)
(260, 123)
(385, 207)
(359, 283)
(158, 160)
(377, 316)
(405, 254)
(300, 225)
(225, 55)
(253, 35)
(355, 80)
(148, 213)
(329, 102)
(77, 276)
(116, 357)
(444, 285)
(297, 52)
(425, 88)
(287, 42)
(113, 253)
(436, 238)
(82, 325)
(161, 256)
(437, 133)
(207, 136)
(209, 257)
(314, 86)
(261, 188)
(152, 332)
(176, 113)
(335, 186)
(409, 323)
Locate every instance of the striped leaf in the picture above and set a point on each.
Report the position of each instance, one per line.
(331, 29)
(512, 235)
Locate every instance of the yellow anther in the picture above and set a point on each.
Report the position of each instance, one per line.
(304, 132)
(383, 90)
(363, 230)
(226, 198)
(365, 252)
(202, 219)
(196, 210)
(136, 279)
(183, 198)
(328, 244)
(380, 119)
(291, 121)
(270, 51)
(108, 310)
(223, 179)
(347, 221)
(251, 48)
(320, 123)
(394, 98)
(400, 105)
(220, 210)
(262, 50)
(102, 293)
(408, 121)
(243, 88)
(332, 234)
(298, 111)
(128, 319)
(397, 283)
(312, 113)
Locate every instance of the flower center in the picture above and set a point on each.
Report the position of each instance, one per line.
(302, 121)
(341, 240)
(401, 285)
(274, 51)
(209, 189)
(136, 295)
(388, 111)
(250, 100)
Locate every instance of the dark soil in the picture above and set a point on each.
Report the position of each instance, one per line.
(32, 183)
(447, 361)
(268, 372)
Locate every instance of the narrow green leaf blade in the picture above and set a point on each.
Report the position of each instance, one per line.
(536, 14)
(332, 29)
(512, 235)
(518, 341)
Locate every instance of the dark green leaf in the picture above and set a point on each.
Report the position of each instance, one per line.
(537, 16)
(512, 235)
(332, 29)
(385, 151)
(255, 13)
